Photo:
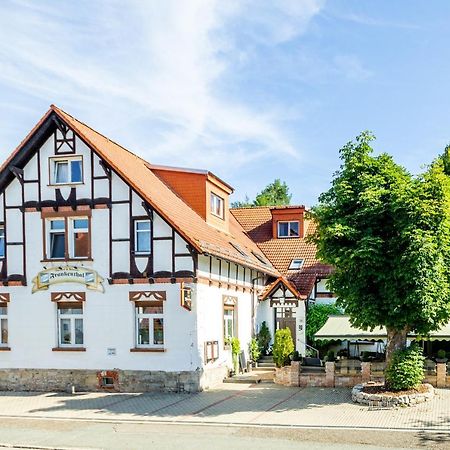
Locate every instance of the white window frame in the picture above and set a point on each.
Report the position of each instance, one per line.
(136, 232)
(289, 229)
(4, 317)
(229, 318)
(49, 234)
(53, 164)
(151, 334)
(2, 241)
(72, 318)
(296, 262)
(69, 236)
(216, 200)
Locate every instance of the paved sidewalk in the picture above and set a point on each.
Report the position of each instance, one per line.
(262, 404)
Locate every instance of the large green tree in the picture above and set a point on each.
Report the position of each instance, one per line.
(387, 235)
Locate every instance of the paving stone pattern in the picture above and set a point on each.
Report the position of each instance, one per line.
(263, 404)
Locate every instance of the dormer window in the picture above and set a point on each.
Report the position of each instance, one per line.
(296, 264)
(66, 170)
(288, 229)
(217, 205)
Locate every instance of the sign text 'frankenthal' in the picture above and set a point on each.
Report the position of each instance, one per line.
(67, 274)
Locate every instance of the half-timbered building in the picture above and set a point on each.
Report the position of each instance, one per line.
(116, 273)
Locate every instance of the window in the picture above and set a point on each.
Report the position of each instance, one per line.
(229, 318)
(150, 324)
(288, 229)
(3, 324)
(296, 264)
(80, 238)
(217, 205)
(142, 237)
(239, 249)
(2, 241)
(68, 238)
(66, 170)
(57, 239)
(70, 323)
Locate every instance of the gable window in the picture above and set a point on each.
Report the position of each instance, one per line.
(66, 170)
(70, 324)
(150, 324)
(2, 241)
(288, 229)
(217, 206)
(142, 237)
(68, 238)
(3, 324)
(296, 264)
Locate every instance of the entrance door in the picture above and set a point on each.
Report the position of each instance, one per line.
(285, 318)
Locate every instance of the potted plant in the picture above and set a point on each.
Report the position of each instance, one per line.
(296, 356)
(441, 356)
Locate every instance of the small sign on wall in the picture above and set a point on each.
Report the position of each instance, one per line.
(111, 351)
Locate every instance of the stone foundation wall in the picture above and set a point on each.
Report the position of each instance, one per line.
(213, 376)
(46, 380)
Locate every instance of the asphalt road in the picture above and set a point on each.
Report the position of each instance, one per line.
(75, 434)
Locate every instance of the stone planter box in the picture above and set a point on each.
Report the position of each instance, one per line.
(386, 400)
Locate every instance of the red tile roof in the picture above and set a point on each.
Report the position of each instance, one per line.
(257, 222)
(136, 172)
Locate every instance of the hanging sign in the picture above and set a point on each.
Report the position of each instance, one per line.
(67, 274)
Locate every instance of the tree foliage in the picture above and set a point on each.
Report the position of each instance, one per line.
(387, 235)
(274, 194)
(264, 337)
(405, 371)
(316, 317)
(283, 346)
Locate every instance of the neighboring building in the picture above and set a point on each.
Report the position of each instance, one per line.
(120, 274)
(281, 234)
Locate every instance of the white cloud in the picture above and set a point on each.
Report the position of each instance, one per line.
(152, 69)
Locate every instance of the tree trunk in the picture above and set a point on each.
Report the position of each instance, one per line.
(396, 340)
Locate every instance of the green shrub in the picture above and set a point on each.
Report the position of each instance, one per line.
(441, 354)
(330, 356)
(296, 356)
(264, 338)
(365, 356)
(254, 351)
(282, 347)
(235, 350)
(405, 370)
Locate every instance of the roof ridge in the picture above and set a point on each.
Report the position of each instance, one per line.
(54, 107)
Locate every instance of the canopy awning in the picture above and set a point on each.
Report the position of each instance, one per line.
(338, 328)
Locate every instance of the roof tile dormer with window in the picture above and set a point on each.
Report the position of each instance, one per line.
(287, 222)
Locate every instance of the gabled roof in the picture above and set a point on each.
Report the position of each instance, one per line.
(257, 222)
(272, 287)
(136, 172)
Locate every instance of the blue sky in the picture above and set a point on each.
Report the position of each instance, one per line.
(250, 90)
